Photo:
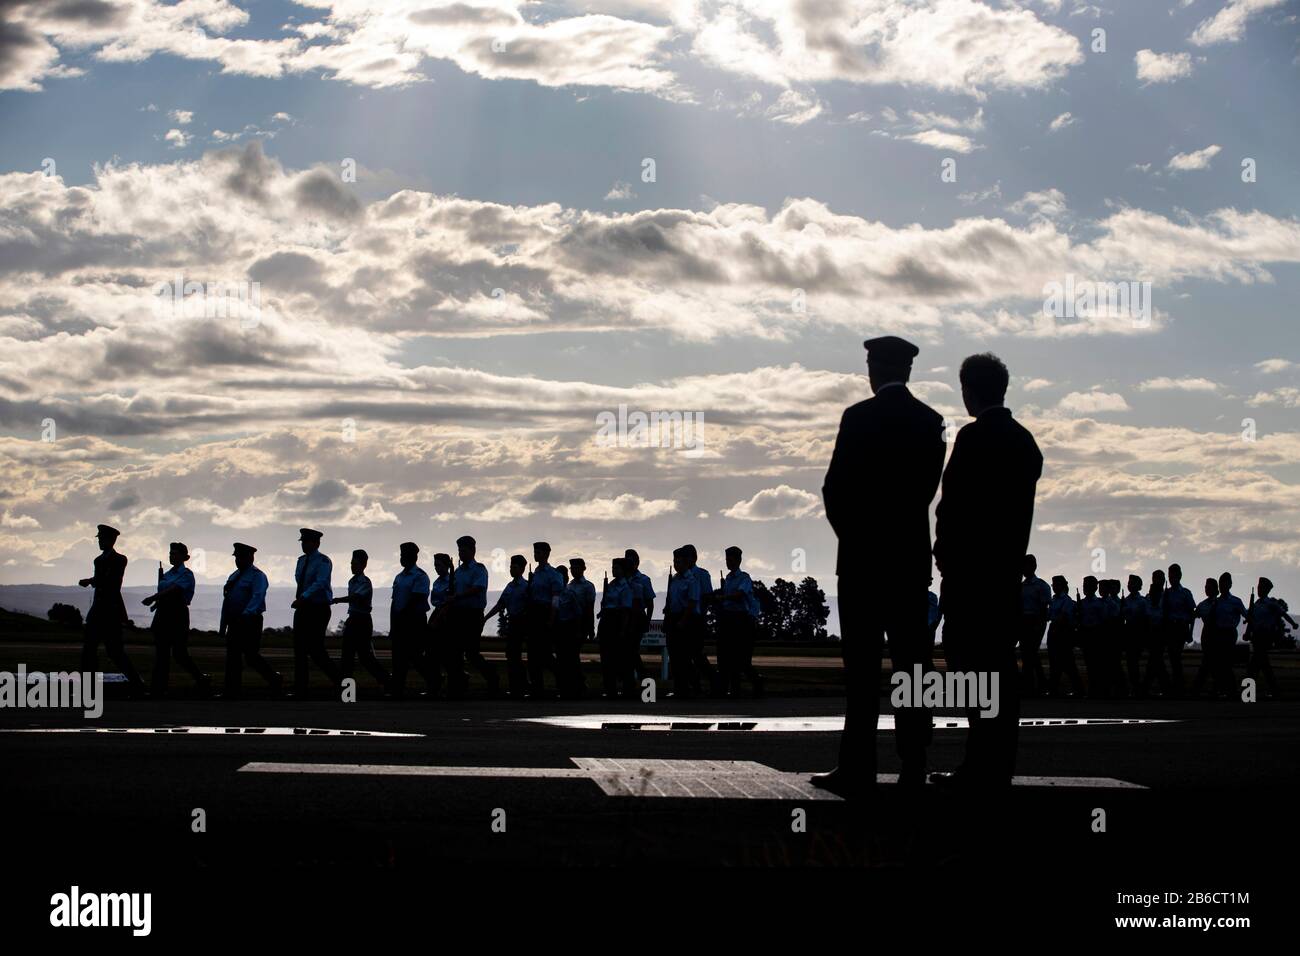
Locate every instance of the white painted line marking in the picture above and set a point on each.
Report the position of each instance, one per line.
(627, 777)
(211, 731)
(785, 725)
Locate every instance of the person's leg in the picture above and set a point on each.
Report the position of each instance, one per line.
(1174, 646)
(364, 645)
(301, 622)
(861, 644)
(251, 635)
(117, 654)
(320, 654)
(910, 647)
(161, 659)
(181, 654)
(89, 646)
(680, 661)
(474, 649)
(516, 672)
(230, 688)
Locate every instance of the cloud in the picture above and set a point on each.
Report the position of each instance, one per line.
(1091, 403)
(1229, 24)
(182, 117)
(959, 46)
(1197, 160)
(626, 507)
(774, 504)
(620, 191)
(1162, 67)
(177, 139)
(1286, 396)
(1037, 384)
(1165, 384)
(1061, 122)
(1272, 365)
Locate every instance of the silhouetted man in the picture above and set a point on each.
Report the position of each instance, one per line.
(512, 605)
(107, 612)
(311, 612)
(1035, 597)
(1179, 615)
(883, 474)
(243, 602)
(544, 589)
(465, 623)
(643, 605)
(359, 627)
(737, 625)
(981, 535)
(1264, 628)
(407, 627)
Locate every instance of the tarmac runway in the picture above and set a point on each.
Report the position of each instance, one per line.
(416, 787)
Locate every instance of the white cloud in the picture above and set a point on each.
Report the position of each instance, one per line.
(620, 191)
(1037, 384)
(1155, 67)
(182, 117)
(625, 507)
(1229, 24)
(1165, 384)
(773, 504)
(1197, 160)
(1269, 366)
(1092, 403)
(1061, 122)
(178, 139)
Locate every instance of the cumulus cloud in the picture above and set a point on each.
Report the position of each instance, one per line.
(1090, 403)
(1229, 24)
(774, 504)
(1061, 122)
(1155, 67)
(1166, 384)
(1200, 159)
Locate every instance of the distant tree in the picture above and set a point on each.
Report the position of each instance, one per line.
(767, 612)
(65, 614)
(810, 612)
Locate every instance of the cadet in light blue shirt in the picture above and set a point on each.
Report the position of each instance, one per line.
(544, 589)
(1060, 640)
(358, 629)
(463, 638)
(242, 605)
(1264, 627)
(616, 634)
(408, 629)
(311, 613)
(1178, 611)
(171, 622)
(737, 628)
(512, 606)
(699, 625)
(682, 611)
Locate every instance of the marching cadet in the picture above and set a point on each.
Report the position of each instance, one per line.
(680, 614)
(243, 602)
(107, 612)
(171, 622)
(359, 627)
(1035, 596)
(311, 612)
(512, 605)
(1136, 617)
(1091, 619)
(737, 626)
(1157, 639)
(1178, 613)
(437, 648)
(1229, 612)
(1264, 628)
(700, 624)
(643, 606)
(1209, 639)
(1060, 640)
(544, 589)
(613, 635)
(406, 624)
(1113, 637)
(466, 620)
(575, 623)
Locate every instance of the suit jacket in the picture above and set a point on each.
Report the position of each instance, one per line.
(982, 523)
(884, 472)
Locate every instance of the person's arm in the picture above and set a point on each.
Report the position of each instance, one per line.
(257, 596)
(832, 485)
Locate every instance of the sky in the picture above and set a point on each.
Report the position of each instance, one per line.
(441, 244)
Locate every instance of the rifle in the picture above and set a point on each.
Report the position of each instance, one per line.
(1250, 625)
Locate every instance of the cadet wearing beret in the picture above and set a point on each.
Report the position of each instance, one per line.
(311, 612)
(243, 602)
